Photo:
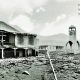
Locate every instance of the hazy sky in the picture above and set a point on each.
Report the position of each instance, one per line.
(44, 17)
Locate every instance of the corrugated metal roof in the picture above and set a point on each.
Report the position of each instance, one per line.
(14, 29)
(55, 43)
(6, 27)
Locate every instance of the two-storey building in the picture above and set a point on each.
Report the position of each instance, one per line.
(16, 43)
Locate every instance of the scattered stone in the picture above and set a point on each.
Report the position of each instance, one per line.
(76, 61)
(41, 60)
(70, 58)
(18, 71)
(42, 76)
(78, 72)
(12, 64)
(72, 64)
(26, 72)
(2, 75)
(74, 77)
(65, 67)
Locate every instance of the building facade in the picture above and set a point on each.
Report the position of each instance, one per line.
(14, 43)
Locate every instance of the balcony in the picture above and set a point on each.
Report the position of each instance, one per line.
(7, 43)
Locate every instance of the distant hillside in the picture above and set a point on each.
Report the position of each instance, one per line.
(58, 39)
(54, 37)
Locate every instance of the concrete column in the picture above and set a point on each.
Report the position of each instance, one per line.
(35, 52)
(31, 52)
(15, 52)
(28, 52)
(2, 53)
(20, 53)
(25, 53)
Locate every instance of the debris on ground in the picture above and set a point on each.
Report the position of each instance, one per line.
(30, 68)
(67, 66)
(26, 72)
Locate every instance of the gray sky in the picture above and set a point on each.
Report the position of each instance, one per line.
(44, 17)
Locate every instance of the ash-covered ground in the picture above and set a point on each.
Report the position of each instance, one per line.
(67, 66)
(31, 68)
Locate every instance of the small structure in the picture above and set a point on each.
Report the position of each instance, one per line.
(52, 45)
(51, 48)
(15, 43)
(72, 45)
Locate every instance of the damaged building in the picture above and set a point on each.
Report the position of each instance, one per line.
(73, 44)
(16, 43)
